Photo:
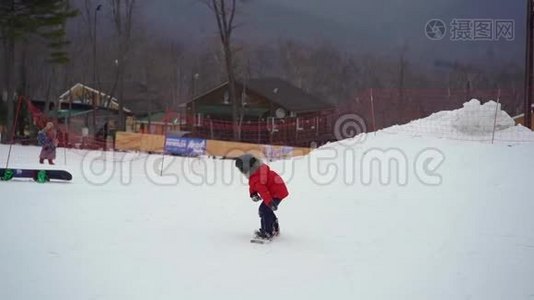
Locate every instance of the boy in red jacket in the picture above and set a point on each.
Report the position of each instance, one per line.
(266, 186)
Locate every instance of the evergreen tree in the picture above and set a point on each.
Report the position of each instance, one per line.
(24, 19)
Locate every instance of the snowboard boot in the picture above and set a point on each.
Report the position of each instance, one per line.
(261, 234)
(276, 228)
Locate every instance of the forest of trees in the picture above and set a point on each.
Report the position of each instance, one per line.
(106, 44)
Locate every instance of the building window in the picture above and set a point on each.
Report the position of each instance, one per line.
(199, 120)
(226, 97)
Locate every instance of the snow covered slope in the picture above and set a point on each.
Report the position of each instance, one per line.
(438, 219)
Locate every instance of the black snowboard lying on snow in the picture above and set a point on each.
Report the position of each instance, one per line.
(37, 175)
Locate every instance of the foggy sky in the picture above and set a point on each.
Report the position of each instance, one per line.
(359, 26)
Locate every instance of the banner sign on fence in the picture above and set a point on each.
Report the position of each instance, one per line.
(185, 146)
(277, 152)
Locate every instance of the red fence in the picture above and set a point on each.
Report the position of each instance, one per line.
(374, 108)
(301, 131)
(369, 110)
(382, 108)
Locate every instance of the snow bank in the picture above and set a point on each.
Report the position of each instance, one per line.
(473, 122)
(477, 119)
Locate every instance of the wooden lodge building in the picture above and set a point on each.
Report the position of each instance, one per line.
(271, 111)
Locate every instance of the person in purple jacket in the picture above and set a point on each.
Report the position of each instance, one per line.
(48, 139)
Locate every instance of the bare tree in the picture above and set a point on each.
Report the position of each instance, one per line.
(122, 12)
(225, 11)
(403, 65)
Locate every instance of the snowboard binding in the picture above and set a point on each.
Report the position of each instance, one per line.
(8, 175)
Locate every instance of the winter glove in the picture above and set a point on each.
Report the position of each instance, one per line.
(274, 205)
(255, 197)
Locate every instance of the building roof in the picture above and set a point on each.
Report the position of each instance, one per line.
(82, 86)
(137, 97)
(66, 113)
(227, 110)
(287, 95)
(141, 99)
(143, 107)
(281, 92)
(76, 90)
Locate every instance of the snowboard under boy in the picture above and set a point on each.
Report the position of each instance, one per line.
(266, 186)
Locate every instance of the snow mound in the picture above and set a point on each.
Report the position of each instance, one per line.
(473, 122)
(477, 119)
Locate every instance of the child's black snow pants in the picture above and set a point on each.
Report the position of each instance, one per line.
(269, 221)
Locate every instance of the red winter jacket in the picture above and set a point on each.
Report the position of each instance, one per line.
(268, 184)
